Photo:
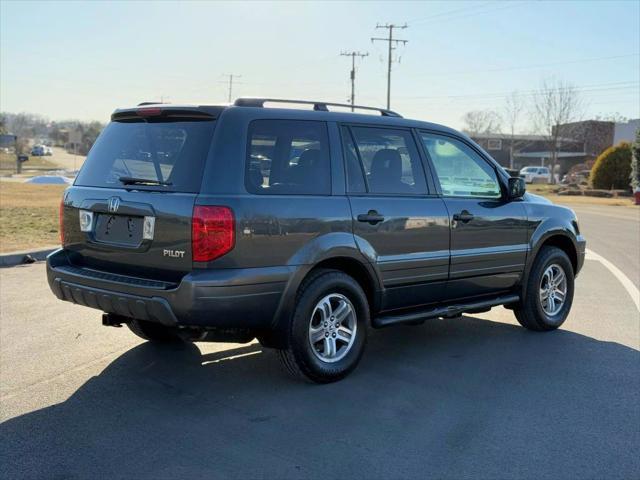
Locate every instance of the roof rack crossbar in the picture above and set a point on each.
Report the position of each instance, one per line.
(317, 106)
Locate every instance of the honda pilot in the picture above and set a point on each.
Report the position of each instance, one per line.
(303, 229)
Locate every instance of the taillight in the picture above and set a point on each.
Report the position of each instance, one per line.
(61, 221)
(212, 232)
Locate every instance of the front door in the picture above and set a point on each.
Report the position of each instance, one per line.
(399, 223)
(488, 232)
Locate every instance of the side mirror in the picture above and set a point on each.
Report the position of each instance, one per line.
(517, 188)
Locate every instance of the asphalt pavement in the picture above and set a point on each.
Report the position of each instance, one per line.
(475, 397)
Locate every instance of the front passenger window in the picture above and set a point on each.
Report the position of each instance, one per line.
(461, 171)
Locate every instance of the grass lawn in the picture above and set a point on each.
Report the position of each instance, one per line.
(547, 191)
(28, 215)
(8, 163)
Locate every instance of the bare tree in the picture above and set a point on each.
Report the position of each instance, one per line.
(555, 103)
(482, 121)
(612, 117)
(513, 108)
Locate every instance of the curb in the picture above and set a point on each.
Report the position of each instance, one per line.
(12, 259)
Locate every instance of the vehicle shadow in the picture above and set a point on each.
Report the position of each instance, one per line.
(450, 399)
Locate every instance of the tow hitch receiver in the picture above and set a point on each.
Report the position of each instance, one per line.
(110, 320)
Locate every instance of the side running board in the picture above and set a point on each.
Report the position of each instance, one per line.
(448, 311)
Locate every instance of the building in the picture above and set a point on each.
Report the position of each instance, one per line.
(596, 135)
(530, 150)
(579, 143)
(626, 131)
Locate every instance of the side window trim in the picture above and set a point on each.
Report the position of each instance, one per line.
(499, 178)
(338, 172)
(346, 130)
(433, 185)
(428, 185)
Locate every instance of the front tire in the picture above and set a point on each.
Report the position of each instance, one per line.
(327, 334)
(550, 288)
(153, 332)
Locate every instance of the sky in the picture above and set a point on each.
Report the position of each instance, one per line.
(81, 60)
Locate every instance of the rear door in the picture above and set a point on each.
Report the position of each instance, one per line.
(130, 208)
(398, 221)
(488, 232)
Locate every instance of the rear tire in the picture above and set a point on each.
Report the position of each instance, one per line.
(154, 332)
(549, 294)
(326, 336)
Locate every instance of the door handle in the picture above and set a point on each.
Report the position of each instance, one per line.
(464, 216)
(372, 217)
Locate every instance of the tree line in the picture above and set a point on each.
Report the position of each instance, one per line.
(32, 127)
(554, 103)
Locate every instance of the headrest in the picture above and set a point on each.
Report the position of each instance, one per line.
(309, 158)
(387, 162)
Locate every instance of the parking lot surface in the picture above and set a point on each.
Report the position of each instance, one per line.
(473, 397)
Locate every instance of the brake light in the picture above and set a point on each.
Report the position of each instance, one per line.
(61, 221)
(149, 112)
(212, 232)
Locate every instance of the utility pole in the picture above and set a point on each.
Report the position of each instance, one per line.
(231, 77)
(392, 41)
(353, 56)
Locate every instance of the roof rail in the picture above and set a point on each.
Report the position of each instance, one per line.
(318, 106)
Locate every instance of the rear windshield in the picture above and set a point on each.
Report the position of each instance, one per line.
(172, 153)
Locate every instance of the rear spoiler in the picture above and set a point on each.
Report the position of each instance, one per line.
(155, 110)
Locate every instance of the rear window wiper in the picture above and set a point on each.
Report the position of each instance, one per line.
(142, 181)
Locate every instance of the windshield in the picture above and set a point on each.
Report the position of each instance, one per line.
(169, 153)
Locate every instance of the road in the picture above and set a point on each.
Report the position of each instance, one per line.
(66, 160)
(617, 233)
(476, 397)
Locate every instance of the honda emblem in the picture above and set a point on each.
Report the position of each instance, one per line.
(114, 204)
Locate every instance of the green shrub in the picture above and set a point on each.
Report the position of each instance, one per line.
(635, 163)
(612, 168)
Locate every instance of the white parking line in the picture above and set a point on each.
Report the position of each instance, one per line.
(628, 285)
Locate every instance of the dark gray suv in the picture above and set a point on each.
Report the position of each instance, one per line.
(303, 229)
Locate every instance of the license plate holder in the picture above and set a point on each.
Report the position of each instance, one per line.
(119, 229)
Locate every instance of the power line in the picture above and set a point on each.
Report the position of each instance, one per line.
(447, 13)
(231, 77)
(533, 66)
(391, 42)
(468, 12)
(353, 56)
(581, 89)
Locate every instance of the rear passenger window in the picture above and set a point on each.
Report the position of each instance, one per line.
(288, 157)
(390, 161)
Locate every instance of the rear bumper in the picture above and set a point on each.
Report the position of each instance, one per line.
(242, 298)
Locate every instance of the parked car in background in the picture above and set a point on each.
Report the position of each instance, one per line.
(175, 228)
(38, 151)
(536, 174)
(48, 151)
